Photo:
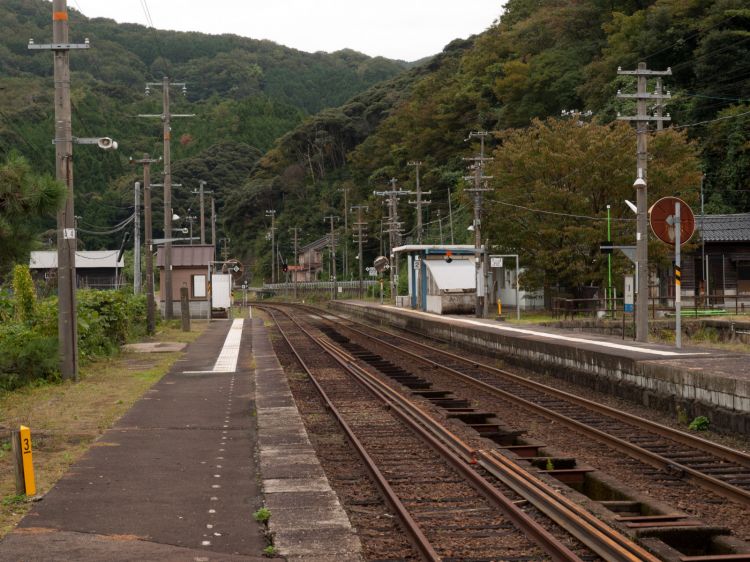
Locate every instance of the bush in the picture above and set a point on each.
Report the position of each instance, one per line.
(26, 356)
(107, 319)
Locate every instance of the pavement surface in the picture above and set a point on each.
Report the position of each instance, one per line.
(174, 479)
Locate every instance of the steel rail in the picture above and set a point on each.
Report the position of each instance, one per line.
(520, 519)
(602, 539)
(417, 537)
(654, 459)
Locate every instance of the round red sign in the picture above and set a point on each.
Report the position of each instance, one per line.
(662, 219)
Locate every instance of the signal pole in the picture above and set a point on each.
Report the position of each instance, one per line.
(67, 322)
(147, 227)
(642, 119)
(272, 214)
(480, 186)
(333, 218)
(166, 118)
(361, 238)
(419, 202)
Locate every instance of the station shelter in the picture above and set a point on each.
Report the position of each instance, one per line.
(441, 278)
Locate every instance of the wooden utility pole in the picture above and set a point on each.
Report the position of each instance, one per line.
(146, 161)
(295, 230)
(361, 238)
(272, 213)
(480, 187)
(213, 225)
(203, 212)
(137, 241)
(67, 323)
(333, 218)
(642, 119)
(419, 201)
(166, 118)
(345, 238)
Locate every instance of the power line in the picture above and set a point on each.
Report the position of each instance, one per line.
(147, 12)
(556, 213)
(684, 39)
(711, 120)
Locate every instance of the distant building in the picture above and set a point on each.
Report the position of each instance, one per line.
(310, 260)
(94, 270)
(727, 261)
(189, 269)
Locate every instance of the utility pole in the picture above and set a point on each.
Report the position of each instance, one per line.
(213, 225)
(345, 238)
(642, 119)
(272, 214)
(333, 218)
(191, 219)
(361, 238)
(203, 212)
(147, 227)
(67, 323)
(419, 202)
(394, 229)
(450, 217)
(166, 117)
(440, 227)
(137, 241)
(225, 249)
(480, 187)
(295, 230)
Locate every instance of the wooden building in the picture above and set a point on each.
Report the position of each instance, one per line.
(190, 265)
(94, 269)
(310, 260)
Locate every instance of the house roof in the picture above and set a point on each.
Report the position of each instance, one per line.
(725, 228)
(188, 256)
(84, 260)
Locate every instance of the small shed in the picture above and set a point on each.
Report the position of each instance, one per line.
(190, 266)
(442, 278)
(94, 269)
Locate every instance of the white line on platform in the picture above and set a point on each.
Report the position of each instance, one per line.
(548, 335)
(230, 351)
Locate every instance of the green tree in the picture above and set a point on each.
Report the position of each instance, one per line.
(553, 182)
(23, 292)
(25, 197)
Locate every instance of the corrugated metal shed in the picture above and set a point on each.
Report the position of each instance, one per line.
(84, 260)
(725, 228)
(188, 256)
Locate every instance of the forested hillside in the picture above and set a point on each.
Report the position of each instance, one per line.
(290, 131)
(245, 94)
(541, 57)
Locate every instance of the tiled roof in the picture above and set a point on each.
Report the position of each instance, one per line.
(317, 245)
(187, 256)
(724, 228)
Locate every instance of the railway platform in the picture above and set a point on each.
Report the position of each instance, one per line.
(179, 476)
(699, 381)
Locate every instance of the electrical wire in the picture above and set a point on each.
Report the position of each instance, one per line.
(684, 39)
(117, 228)
(709, 121)
(147, 12)
(571, 215)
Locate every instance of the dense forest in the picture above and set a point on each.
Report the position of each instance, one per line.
(280, 129)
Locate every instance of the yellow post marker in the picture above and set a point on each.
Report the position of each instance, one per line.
(28, 465)
(499, 307)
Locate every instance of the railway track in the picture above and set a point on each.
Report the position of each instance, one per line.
(446, 496)
(680, 455)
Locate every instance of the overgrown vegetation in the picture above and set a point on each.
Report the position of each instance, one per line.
(28, 331)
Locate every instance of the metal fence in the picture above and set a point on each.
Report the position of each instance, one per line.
(712, 305)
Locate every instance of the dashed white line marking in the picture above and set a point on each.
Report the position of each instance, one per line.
(205, 543)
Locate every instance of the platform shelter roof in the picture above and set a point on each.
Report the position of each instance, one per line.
(434, 249)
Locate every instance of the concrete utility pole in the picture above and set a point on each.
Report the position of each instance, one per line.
(272, 214)
(394, 229)
(295, 230)
(203, 211)
(360, 239)
(225, 249)
(419, 202)
(480, 187)
(440, 227)
(67, 323)
(137, 241)
(345, 238)
(333, 218)
(642, 119)
(166, 118)
(150, 302)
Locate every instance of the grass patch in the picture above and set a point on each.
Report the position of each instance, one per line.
(66, 418)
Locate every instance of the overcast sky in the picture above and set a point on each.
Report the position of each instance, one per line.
(397, 29)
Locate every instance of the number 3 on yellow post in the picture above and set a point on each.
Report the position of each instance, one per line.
(28, 465)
